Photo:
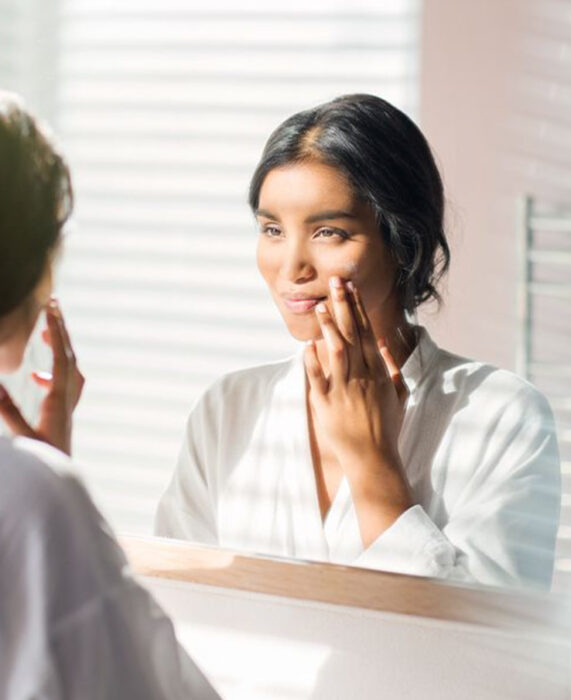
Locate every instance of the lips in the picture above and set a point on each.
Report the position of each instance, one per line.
(301, 304)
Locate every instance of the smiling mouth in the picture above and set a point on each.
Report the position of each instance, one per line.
(302, 305)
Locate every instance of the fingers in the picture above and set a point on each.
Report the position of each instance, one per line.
(369, 347)
(360, 313)
(334, 342)
(343, 311)
(345, 315)
(12, 416)
(394, 372)
(63, 357)
(317, 381)
(55, 309)
(43, 379)
(65, 335)
(60, 360)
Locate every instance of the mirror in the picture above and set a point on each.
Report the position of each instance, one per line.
(163, 111)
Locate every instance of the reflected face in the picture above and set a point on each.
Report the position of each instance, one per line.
(312, 227)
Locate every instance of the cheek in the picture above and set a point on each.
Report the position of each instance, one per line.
(348, 267)
(266, 262)
(349, 270)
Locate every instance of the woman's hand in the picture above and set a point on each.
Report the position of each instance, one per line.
(64, 387)
(360, 407)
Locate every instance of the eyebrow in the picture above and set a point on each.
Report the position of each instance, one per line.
(327, 215)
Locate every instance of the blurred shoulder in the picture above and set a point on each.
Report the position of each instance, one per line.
(26, 473)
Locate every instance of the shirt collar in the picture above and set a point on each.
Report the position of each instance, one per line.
(418, 362)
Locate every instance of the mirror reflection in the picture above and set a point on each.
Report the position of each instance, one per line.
(375, 442)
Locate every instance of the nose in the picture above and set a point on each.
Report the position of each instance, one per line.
(297, 266)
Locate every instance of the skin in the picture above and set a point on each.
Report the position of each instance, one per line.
(314, 234)
(65, 383)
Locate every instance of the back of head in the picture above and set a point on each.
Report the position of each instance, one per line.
(388, 162)
(35, 202)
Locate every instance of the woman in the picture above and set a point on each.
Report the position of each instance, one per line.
(375, 447)
(74, 624)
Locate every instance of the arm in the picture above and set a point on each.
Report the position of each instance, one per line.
(360, 406)
(502, 529)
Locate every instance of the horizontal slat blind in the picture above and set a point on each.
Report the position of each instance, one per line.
(164, 108)
(10, 41)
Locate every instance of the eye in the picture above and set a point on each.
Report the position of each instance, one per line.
(327, 232)
(271, 231)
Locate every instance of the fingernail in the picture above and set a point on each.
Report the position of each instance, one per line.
(351, 286)
(321, 308)
(336, 282)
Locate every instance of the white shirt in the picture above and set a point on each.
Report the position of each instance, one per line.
(74, 624)
(478, 446)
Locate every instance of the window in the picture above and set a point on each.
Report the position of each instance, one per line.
(163, 108)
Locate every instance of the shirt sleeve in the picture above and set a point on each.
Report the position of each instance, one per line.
(186, 509)
(502, 529)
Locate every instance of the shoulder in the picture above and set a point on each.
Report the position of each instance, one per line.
(245, 387)
(488, 386)
(45, 507)
(27, 480)
(39, 484)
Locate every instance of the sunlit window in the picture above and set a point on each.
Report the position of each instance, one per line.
(163, 108)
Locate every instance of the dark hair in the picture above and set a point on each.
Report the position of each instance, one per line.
(35, 201)
(388, 162)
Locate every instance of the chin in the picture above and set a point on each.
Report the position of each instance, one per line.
(15, 332)
(11, 359)
(303, 329)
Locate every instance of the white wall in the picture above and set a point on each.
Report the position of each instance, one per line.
(260, 647)
(496, 106)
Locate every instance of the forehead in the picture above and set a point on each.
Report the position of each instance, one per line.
(306, 187)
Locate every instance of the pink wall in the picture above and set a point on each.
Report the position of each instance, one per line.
(496, 108)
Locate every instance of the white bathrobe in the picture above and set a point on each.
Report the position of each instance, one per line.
(74, 624)
(478, 445)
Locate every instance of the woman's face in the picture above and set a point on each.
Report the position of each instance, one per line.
(313, 227)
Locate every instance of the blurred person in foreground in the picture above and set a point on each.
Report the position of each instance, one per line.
(73, 621)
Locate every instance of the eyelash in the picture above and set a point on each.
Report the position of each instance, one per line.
(267, 230)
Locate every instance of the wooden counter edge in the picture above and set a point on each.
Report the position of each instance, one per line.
(501, 609)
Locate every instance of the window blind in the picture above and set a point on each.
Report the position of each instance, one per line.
(163, 108)
(9, 40)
